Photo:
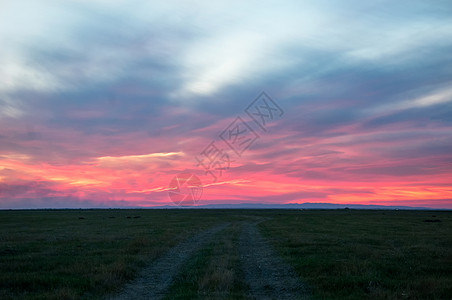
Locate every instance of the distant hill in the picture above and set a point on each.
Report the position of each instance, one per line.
(306, 205)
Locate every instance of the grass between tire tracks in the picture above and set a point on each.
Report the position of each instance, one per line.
(214, 273)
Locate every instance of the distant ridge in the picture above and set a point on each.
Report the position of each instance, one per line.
(306, 205)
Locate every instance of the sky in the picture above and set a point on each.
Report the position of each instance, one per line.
(129, 103)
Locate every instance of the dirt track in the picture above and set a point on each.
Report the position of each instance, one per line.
(266, 274)
(154, 280)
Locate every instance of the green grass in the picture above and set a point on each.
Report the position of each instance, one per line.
(367, 254)
(214, 273)
(343, 254)
(73, 254)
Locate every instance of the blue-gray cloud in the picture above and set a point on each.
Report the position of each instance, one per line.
(88, 78)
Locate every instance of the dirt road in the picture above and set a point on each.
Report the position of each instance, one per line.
(266, 274)
(154, 280)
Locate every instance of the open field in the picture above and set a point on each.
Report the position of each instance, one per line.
(368, 254)
(334, 254)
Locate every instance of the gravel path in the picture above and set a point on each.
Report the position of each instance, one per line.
(266, 274)
(154, 280)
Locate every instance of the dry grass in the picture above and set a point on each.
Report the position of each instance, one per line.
(221, 273)
(214, 273)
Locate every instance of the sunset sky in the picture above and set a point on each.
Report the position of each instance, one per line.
(103, 102)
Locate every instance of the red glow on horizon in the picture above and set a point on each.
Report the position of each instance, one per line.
(351, 168)
(142, 184)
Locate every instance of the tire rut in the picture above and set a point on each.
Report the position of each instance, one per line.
(155, 279)
(267, 275)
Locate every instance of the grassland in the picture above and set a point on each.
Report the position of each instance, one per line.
(368, 254)
(72, 254)
(341, 254)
